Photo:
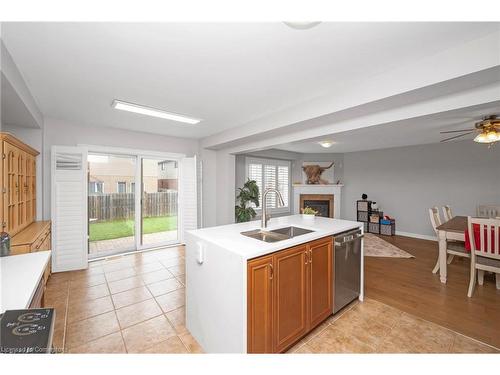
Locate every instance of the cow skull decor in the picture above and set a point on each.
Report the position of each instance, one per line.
(313, 173)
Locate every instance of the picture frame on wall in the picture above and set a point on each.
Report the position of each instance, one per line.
(326, 175)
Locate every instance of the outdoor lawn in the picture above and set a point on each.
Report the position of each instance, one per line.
(124, 228)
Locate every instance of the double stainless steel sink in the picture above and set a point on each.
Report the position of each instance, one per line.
(276, 234)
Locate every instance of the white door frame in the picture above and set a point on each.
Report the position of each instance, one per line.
(140, 155)
(138, 203)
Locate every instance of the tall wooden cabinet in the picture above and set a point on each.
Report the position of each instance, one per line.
(18, 203)
(288, 294)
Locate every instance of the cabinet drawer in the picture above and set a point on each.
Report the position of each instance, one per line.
(36, 246)
(22, 249)
(45, 244)
(41, 243)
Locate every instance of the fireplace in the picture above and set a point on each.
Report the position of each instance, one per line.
(323, 203)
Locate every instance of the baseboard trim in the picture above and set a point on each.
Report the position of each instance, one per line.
(416, 235)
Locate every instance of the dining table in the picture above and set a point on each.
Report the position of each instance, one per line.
(452, 230)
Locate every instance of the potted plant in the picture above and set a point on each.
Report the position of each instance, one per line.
(249, 193)
(309, 213)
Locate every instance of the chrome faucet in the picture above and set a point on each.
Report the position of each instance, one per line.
(265, 216)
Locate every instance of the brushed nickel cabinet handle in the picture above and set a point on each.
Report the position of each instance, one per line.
(310, 256)
(272, 271)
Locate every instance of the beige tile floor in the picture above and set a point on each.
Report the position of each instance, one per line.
(128, 304)
(373, 327)
(135, 304)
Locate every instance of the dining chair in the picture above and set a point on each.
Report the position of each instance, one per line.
(452, 247)
(485, 252)
(488, 211)
(447, 213)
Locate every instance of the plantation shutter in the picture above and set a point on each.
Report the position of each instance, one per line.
(69, 208)
(284, 182)
(188, 195)
(270, 174)
(255, 173)
(270, 182)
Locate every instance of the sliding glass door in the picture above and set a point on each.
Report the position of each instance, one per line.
(159, 200)
(132, 203)
(111, 204)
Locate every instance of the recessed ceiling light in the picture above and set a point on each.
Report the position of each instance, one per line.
(326, 144)
(302, 25)
(154, 112)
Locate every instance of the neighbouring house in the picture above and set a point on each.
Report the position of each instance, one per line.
(117, 175)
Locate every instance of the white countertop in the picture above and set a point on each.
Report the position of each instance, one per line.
(230, 238)
(20, 275)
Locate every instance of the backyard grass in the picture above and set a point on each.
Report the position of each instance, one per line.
(109, 230)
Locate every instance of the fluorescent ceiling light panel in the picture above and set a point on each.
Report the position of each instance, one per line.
(149, 111)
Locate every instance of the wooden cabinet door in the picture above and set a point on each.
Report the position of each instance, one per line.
(20, 187)
(10, 189)
(260, 305)
(33, 188)
(320, 280)
(290, 296)
(27, 189)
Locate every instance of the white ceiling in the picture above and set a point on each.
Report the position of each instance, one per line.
(421, 130)
(227, 74)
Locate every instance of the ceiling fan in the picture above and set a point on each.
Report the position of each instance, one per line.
(488, 130)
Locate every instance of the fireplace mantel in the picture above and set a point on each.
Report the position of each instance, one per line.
(316, 186)
(336, 190)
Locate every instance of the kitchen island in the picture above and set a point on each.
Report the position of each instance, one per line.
(233, 286)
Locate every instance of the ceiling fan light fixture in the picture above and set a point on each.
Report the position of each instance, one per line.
(492, 136)
(487, 136)
(481, 138)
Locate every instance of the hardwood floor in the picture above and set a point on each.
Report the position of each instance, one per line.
(410, 285)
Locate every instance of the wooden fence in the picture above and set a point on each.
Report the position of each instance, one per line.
(116, 206)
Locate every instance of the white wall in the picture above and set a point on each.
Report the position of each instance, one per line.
(58, 132)
(11, 73)
(209, 187)
(225, 187)
(406, 181)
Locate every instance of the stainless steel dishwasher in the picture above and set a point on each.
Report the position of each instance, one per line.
(347, 266)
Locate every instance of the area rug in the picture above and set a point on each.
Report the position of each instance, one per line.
(377, 247)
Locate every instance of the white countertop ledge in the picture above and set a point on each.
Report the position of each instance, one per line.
(20, 275)
(230, 238)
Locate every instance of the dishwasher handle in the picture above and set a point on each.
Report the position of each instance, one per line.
(350, 238)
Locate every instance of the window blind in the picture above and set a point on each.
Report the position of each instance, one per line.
(255, 173)
(270, 174)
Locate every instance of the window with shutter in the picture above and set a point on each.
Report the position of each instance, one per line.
(270, 173)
